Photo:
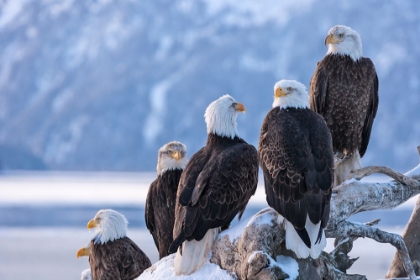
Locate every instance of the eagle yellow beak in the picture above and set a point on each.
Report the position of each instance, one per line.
(239, 107)
(84, 252)
(176, 155)
(279, 92)
(91, 224)
(331, 39)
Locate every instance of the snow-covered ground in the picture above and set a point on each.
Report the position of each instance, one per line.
(38, 249)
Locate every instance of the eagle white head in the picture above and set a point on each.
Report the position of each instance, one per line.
(171, 156)
(290, 94)
(220, 116)
(345, 41)
(109, 226)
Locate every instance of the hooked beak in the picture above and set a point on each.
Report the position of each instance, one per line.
(91, 224)
(279, 92)
(84, 252)
(176, 155)
(239, 107)
(331, 39)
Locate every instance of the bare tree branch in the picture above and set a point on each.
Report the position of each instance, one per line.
(353, 197)
(366, 171)
(349, 229)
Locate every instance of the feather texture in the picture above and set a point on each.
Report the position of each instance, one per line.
(120, 259)
(345, 93)
(160, 209)
(295, 154)
(215, 186)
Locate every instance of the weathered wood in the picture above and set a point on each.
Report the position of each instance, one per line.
(411, 236)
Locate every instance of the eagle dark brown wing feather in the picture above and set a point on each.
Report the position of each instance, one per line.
(295, 155)
(149, 216)
(215, 187)
(371, 112)
(120, 259)
(160, 209)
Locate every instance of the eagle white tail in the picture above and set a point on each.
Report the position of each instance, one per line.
(295, 243)
(194, 253)
(343, 169)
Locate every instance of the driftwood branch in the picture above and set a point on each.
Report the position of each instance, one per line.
(366, 171)
(353, 197)
(411, 239)
(347, 229)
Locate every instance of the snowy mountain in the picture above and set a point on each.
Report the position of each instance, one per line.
(101, 85)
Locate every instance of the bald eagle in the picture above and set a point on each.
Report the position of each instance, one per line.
(295, 154)
(344, 90)
(112, 255)
(216, 184)
(160, 201)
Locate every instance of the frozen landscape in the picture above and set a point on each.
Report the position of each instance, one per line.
(44, 215)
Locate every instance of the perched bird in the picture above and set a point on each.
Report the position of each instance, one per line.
(215, 185)
(112, 255)
(344, 90)
(160, 201)
(295, 154)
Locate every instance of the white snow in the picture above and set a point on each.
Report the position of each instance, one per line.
(289, 266)
(236, 232)
(163, 269)
(253, 254)
(265, 219)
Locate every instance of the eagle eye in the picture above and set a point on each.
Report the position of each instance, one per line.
(341, 35)
(289, 88)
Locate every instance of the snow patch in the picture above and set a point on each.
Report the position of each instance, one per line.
(252, 256)
(262, 218)
(259, 219)
(234, 232)
(289, 266)
(164, 269)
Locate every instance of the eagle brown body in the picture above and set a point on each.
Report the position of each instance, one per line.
(120, 259)
(215, 186)
(295, 154)
(345, 93)
(160, 209)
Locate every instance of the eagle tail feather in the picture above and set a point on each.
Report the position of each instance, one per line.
(194, 253)
(295, 243)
